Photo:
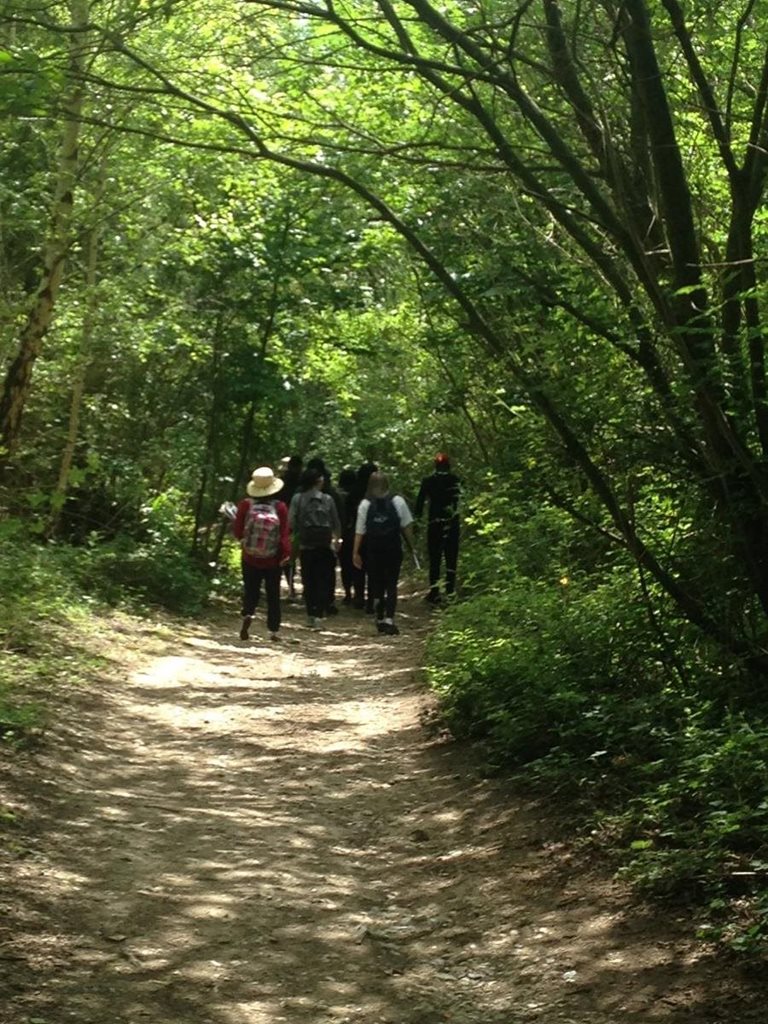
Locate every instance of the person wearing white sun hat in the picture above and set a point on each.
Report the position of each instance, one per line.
(261, 526)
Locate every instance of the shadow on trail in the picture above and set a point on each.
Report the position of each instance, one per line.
(251, 835)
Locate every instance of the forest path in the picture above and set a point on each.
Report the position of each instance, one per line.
(221, 832)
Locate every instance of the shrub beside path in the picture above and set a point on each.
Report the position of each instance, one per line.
(218, 832)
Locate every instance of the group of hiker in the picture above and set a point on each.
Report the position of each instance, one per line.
(297, 515)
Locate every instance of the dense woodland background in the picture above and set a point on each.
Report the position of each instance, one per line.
(532, 235)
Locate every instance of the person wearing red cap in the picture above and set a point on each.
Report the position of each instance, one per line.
(441, 491)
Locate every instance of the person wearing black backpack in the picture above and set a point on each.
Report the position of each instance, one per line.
(313, 516)
(382, 521)
(291, 477)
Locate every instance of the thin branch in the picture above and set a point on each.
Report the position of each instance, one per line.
(706, 91)
(741, 24)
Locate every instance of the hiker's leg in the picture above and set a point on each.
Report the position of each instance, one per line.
(391, 577)
(376, 584)
(306, 578)
(347, 569)
(251, 588)
(330, 580)
(314, 580)
(451, 555)
(370, 591)
(358, 587)
(435, 551)
(272, 590)
(291, 569)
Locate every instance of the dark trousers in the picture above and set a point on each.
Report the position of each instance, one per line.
(289, 572)
(345, 562)
(252, 578)
(443, 542)
(361, 581)
(331, 583)
(384, 572)
(318, 569)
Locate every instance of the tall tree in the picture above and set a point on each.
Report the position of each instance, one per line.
(58, 239)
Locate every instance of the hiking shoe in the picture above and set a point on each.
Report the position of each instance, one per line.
(390, 629)
(247, 620)
(380, 626)
(275, 637)
(312, 622)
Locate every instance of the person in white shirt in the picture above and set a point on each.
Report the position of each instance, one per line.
(383, 519)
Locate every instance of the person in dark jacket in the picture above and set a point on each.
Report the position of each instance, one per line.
(362, 596)
(290, 471)
(318, 544)
(441, 491)
(346, 485)
(317, 464)
(291, 477)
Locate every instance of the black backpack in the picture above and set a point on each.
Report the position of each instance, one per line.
(315, 529)
(382, 524)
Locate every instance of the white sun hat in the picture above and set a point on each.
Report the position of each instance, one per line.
(263, 482)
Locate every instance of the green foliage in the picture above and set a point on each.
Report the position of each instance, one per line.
(702, 812)
(561, 666)
(49, 592)
(17, 719)
(569, 671)
(136, 574)
(152, 568)
(38, 601)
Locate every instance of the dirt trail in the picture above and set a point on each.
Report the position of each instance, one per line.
(230, 833)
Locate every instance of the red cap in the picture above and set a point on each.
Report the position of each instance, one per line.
(441, 457)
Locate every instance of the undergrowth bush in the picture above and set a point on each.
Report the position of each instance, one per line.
(49, 593)
(140, 573)
(547, 666)
(586, 683)
(37, 597)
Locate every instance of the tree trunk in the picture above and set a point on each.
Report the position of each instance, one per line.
(211, 433)
(19, 376)
(78, 388)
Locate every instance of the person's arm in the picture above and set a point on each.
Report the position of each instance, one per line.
(406, 527)
(285, 533)
(421, 497)
(456, 495)
(357, 560)
(406, 520)
(238, 527)
(362, 515)
(338, 502)
(293, 512)
(335, 520)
